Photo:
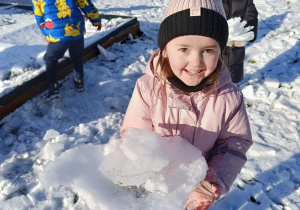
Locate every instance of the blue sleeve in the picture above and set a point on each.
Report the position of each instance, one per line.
(88, 8)
(38, 13)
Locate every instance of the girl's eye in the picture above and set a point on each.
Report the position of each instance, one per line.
(183, 49)
(209, 51)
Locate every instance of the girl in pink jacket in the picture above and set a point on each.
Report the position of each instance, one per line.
(187, 91)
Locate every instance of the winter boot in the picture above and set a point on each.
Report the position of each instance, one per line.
(78, 82)
(53, 93)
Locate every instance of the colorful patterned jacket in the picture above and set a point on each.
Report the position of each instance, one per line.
(62, 20)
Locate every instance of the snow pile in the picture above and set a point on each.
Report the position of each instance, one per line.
(141, 170)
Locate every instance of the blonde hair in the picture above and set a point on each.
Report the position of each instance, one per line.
(166, 71)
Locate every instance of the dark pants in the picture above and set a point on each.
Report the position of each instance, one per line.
(233, 58)
(56, 50)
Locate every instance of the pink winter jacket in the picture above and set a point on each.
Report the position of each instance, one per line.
(217, 125)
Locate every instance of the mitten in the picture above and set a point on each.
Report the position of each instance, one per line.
(204, 187)
(42, 25)
(236, 43)
(229, 43)
(98, 25)
(203, 195)
(239, 43)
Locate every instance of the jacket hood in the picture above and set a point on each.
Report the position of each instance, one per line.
(224, 77)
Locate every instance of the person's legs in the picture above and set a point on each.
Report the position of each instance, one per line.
(54, 52)
(76, 53)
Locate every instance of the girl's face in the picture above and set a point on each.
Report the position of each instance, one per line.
(192, 58)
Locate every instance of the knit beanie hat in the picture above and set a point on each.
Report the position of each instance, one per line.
(194, 17)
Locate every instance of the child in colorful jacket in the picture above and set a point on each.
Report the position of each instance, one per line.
(187, 91)
(62, 24)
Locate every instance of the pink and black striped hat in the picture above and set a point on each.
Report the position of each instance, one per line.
(194, 17)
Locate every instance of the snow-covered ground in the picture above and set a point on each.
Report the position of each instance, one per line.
(57, 156)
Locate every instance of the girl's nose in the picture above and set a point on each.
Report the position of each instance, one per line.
(197, 60)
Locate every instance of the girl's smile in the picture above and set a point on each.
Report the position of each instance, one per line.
(194, 73)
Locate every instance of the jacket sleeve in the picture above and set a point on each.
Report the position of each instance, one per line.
(88, 8)
(228, 155)
(39, 14)
(138, 114)
(250, 16)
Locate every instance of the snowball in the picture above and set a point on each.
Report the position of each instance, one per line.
(238, 31)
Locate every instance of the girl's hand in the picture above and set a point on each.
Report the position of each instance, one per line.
(203, 196)
(198, 201)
